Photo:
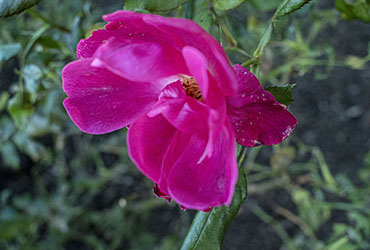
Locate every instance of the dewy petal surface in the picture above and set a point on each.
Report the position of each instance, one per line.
(129, 27)
(100, 102)
(256, 116)
(140, 61)
(148, 140)
(208, 183)
(87, 47)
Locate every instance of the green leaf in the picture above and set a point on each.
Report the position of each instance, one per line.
(204, 19)
(30, 147)
(282, 93)
(7, 128)
(4, 97)
(227, 4)
(362, 10)
(203, 15)
(289, 6)
(208, 229)
(32, 75)
(330, 182)
(341, 244)
(9, 155)
(265, 5)
(345, 8)
(13, 228)
(163, 5)
(134, 5)
(19, 110)
(12, 7)
(50, 43)
(153, 5)
(359, 10)
(362, 222)
(9, 50)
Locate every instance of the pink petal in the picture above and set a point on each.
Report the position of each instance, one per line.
(87, 47)
(185, 113)
(216, 102)
(140, 61)
(201, 185)
(180, 32)
(129, 27)
(148, 140)
(100, 102)
(175, 149)
(256, 116)
(190, 115)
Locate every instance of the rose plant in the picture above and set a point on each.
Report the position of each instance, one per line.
(171, 84)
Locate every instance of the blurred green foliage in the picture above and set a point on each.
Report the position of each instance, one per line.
(12, 7)
(317, 195)
(359, 9)
(62, 189)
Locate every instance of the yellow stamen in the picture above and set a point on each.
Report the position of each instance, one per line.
(191, 88)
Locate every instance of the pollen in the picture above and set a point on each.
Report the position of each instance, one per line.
(191, 88)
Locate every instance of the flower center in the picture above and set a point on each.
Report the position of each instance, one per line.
(191, 88)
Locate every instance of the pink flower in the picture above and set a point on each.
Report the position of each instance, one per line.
(172, 84)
